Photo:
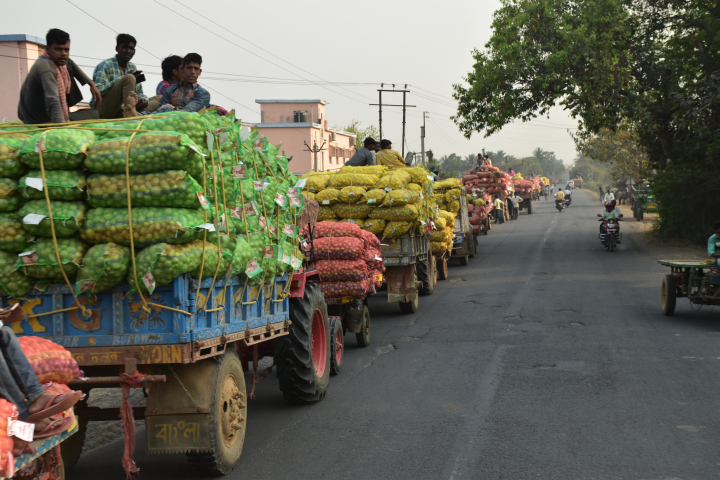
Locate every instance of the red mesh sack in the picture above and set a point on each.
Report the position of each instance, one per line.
(339, 229)
(7, 462)
(469, 177)
(370, 239)
(344, 289)
(376, 279)
(338, 248)
(475, 220)
(372, 257)
(339, 270)
(476, 230)
(50, 361)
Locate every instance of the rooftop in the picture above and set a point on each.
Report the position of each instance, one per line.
(22, 38)
(292, 101)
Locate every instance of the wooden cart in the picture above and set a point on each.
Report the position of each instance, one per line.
(694, 279)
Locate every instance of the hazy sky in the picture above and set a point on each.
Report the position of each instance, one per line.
(337, 51)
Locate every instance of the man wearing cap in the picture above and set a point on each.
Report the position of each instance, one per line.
(363, 156)
(389, 157)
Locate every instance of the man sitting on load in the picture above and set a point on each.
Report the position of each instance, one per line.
(363, 156)
(389, 157)
(117, 78)
(188, 95)
(50, 88)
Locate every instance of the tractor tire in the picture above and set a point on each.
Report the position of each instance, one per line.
(464, 260)
(529, 207)
(227, 419)
(363, 336)
(337, 346)
(72, 447)
(410, 307)
(303, 356)
(442, 268)
(668, 295)
(425, 275)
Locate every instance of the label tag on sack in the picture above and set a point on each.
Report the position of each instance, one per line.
(250, 208)
(244, 133)
(351, 220)
(149, 282)
(326, 202)
(273, 230)
(203, 201)
(290, 230)
(260, 185)
(262, 221)
(252, 269)
(237, 213)
(36, 183)
(21, 430)
(388, 189)
(297, 201)
(301, 183)
(239, 171)
(269, 251)
(40, 146)
(210, 140)
(194, 149)
(207, 226)
(33, 218)
(293, 192)
(430, 177)
(29, 258)
(222, 135)
(295, 263)
(84, 286)
(281, 200)
(223, 222)
(259, 144)
(371, 201)
(422, 196)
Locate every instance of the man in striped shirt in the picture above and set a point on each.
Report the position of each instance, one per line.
(188, 95)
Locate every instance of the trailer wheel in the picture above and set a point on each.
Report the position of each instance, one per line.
(441, 265)
(410, 307)
(464, 260)
(227, 419)
(667, 295)
(337, 346)
(363, 336)
(529, 207)
(72, 447)
(303, 356)
(425, 275)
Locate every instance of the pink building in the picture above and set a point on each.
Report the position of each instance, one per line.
(293, 123)
(17, 55)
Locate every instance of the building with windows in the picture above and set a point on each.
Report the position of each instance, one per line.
(299, 124)
(17, 56)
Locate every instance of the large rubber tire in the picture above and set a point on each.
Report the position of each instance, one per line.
(442, 269)
(72, 447)
(423, 274)
(463, 260)
(410, 307)
(337, 346)
(668, 295)
(363, 336)
(474, 247)
(611, 244)
(303, 355)
(530, 207)
(228, 416)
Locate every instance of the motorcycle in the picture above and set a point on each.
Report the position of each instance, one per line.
(559, 204)
(610, 234)
(568, 199)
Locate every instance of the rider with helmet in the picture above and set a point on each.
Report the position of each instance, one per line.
(610, 213)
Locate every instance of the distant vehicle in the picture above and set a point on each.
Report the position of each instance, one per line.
(571, 184)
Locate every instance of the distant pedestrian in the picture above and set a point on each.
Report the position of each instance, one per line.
(516, 204)
(499, 211)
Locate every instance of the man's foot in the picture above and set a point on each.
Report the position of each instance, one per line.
(48, 404)
(130, 102)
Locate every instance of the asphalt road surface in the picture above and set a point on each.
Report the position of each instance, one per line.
(546, 357)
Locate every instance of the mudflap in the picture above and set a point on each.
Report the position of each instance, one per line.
(177, 417)
(401, 286)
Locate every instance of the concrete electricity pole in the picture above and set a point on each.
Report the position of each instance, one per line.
(422, 139)
(315, 150)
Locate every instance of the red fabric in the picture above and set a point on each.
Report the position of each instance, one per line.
(63, 83)
(128, 420)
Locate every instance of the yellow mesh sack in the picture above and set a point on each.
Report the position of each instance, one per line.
(374, 196)
(398, 198)
(328, 196)
(453, 206)
(448, 183)
(350, 220)
(316, 181)
(368, 170)
(309, 195)
(449, 217)
(354, 180)
(407, 213)
(374, 225)
(351, 194)
(414, 187)
(438, 236)
(326, 213)
(440, 223)
(358, 211)
(478, 202)
(452, 194)
(394, 230)
(419, 174)
(397, 179)
(438, 247)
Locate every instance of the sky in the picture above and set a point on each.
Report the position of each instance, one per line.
(308, 49)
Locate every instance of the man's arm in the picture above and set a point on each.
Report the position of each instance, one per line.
(101, 78)
(711, 245)
(201, 100)
(139, 91)
(85, 80)
(52, 97)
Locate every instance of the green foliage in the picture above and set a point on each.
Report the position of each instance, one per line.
(362, 133)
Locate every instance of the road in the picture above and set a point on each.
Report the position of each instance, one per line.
(546, 357)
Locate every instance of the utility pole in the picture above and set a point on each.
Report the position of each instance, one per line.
(315, 150)
(404, 105)
(422, 139)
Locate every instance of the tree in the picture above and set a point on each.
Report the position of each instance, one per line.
(362, 133)
(651, 64)
(620, 149)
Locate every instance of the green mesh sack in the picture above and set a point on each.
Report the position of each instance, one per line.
(159, 264)
(10, 199)
(210, 264)
(242, 254)
(62, 149)
(283, 165)
(150, 225)
(149, 152)
(41, 263)
(61, 185)
(67, 217)
(248, 218)
(104, 266)
(171, 188)
(10, 166)
(215, 181)
(187, 123)
(245, 188)
(13, 237)
(12, 282)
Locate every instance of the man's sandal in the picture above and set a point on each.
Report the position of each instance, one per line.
(56, 404)
(56, 427)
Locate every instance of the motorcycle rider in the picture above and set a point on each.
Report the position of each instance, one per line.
(567, 195)
(559, 197)
(610, 213)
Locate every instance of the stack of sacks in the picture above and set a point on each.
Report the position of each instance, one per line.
(441, 239)
(8, 412)
(386, 203)
(202, 191)
(348, 259)
(493, 180)
(447, 194)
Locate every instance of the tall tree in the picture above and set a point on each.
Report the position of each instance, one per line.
(362, 133)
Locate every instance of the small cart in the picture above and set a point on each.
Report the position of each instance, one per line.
(694, 279)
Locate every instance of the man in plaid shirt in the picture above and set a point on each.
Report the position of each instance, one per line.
(187, 95)
(117, 78)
